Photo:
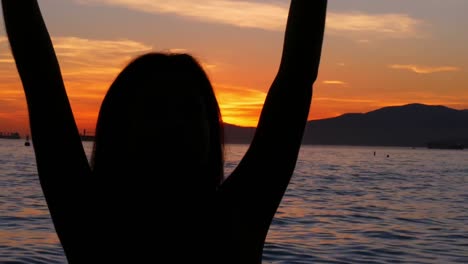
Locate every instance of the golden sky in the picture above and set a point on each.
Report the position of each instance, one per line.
(376, 53)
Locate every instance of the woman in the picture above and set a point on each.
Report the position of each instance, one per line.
(163, 198)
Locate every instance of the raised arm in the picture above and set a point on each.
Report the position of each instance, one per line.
(61, 161)
(284, 115)
(255, 189)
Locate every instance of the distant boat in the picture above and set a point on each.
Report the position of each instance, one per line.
(27, 144)
(14, 135)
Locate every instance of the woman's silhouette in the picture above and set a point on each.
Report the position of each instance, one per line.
(146, 200)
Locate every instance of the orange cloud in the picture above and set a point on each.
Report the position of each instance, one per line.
(7, 60)
(343, 100)
(424, 69)
(88, 67)
(94, 58)
(12, 99)
(78, 57)
(334, 82)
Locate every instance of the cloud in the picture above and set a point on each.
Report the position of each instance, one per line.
(86, 57)
(81, 44)
(343, 100)
(334, 82)
(267, 16)
(10, 87)
(88, 66)
(99, 53)
(394, 25)
(424, 69)
(176, 50)
(364, 41)
(89, 59)
(239, 13)
(7, 60)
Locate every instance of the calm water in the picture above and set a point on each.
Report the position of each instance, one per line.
(344, 205)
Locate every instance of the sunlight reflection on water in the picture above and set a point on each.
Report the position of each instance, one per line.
(344, 205)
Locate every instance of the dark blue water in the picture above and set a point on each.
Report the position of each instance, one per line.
(344, 205)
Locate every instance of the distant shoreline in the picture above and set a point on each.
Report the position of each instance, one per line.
(10, 135)
(328, 145)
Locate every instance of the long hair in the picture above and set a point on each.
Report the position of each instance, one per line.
(153, 83)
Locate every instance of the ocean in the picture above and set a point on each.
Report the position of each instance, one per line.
(344, 205)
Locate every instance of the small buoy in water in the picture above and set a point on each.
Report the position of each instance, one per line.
(27, 144)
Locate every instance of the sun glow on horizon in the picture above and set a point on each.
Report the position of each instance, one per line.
(239, 106)
(376, 53)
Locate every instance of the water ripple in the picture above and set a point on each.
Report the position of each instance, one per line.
(344, 205)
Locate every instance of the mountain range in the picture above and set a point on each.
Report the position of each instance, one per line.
(412, 125)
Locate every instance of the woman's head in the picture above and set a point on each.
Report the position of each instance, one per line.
(160, 117)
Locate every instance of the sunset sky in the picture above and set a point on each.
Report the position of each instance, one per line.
(376, 52)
